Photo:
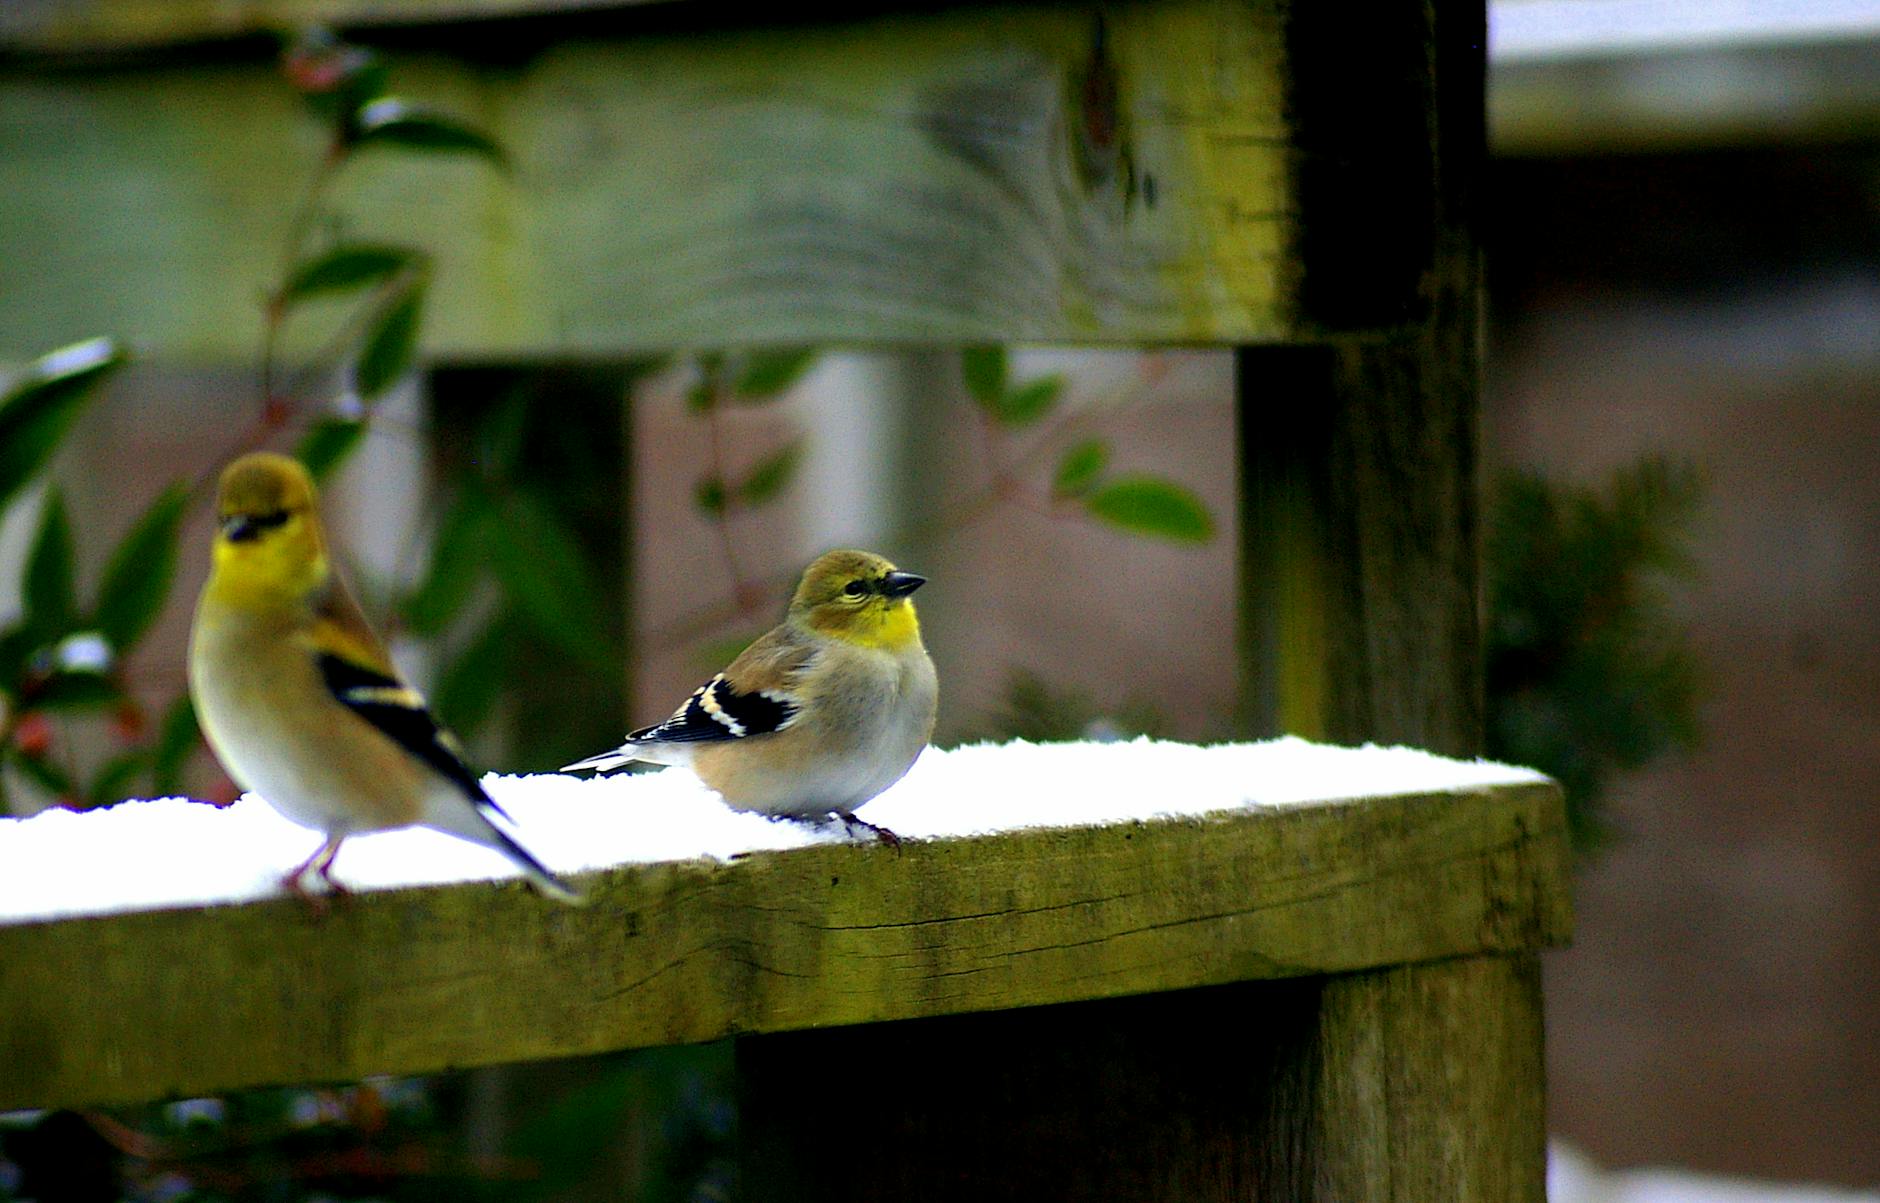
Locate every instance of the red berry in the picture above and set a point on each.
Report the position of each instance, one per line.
(32, 735)
(127, 722)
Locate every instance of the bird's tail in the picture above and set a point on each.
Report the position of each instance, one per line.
(636, 751)
(449, 810)
(539, 875)
(603, 762)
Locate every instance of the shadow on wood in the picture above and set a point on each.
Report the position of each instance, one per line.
(1418, 1083)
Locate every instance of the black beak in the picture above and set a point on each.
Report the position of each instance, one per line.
(900, 584)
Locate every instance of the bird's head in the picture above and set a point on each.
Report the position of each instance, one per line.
(860, 597)
(268, 538)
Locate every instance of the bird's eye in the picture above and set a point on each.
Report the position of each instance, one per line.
(245, 528)
(855, 588)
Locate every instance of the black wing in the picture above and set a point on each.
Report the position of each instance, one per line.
(718, 711)
(401, 715)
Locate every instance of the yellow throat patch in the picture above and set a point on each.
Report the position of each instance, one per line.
(886, 627)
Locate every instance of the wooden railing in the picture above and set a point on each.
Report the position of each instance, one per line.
(1335, 1004)
(1382, 948)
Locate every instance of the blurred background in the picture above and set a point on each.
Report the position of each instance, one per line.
(1684, 258)
(1682, 429)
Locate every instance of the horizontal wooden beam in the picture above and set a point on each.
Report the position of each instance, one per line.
(1687, 98)
(1062, 174)
(148, 1005)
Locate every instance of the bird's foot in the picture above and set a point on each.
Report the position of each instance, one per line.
(320, 865)
(317, 901)
(850, 823)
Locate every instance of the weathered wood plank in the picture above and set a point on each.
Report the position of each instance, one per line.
(1666, 99)
(146, 1005)
(1360, 569)
(1361, 615)
(1359, 555)
(1425, 1082)
(1014, 173)
(1096, 1102)
(1270, 1091)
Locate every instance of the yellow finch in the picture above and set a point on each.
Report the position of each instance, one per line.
(297, 696)
(819, 715)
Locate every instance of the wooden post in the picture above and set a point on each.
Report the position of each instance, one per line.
(1361, 622)
(1361, 580)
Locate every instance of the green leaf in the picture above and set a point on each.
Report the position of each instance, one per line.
(327, 443)
(984, 371)
(76, 691)
(50, 603)
(392, 121)
(350, 265)
(137, 577)
(47, 776)
(1080, 467)
(1148, 505)
(545, 577)
(366, 81)
(710, 495)
(468, 687)
(18, 644)
(39, 406)
(112, 782)
(1029, 401)
(176, 739)
(457, 560)
(768, 373)
(575, 1128)
(386, 354)
(770, 475)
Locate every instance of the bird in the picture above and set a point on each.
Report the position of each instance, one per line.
(298, 699)
(819, 714)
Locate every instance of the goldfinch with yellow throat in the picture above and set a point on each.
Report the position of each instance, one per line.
(820, 714)
(299, 700)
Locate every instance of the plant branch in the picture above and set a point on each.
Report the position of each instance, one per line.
(328, 356)
(721, 518)
(297, 230)
(1005, 485)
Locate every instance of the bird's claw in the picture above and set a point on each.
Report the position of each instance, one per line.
(317, 901)
(850, 823)
(320, 865)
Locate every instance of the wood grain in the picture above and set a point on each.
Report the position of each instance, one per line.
(1361, 574)
(1008, 173)
(1425, 1082)
(147, 1005)
(1361, 580)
